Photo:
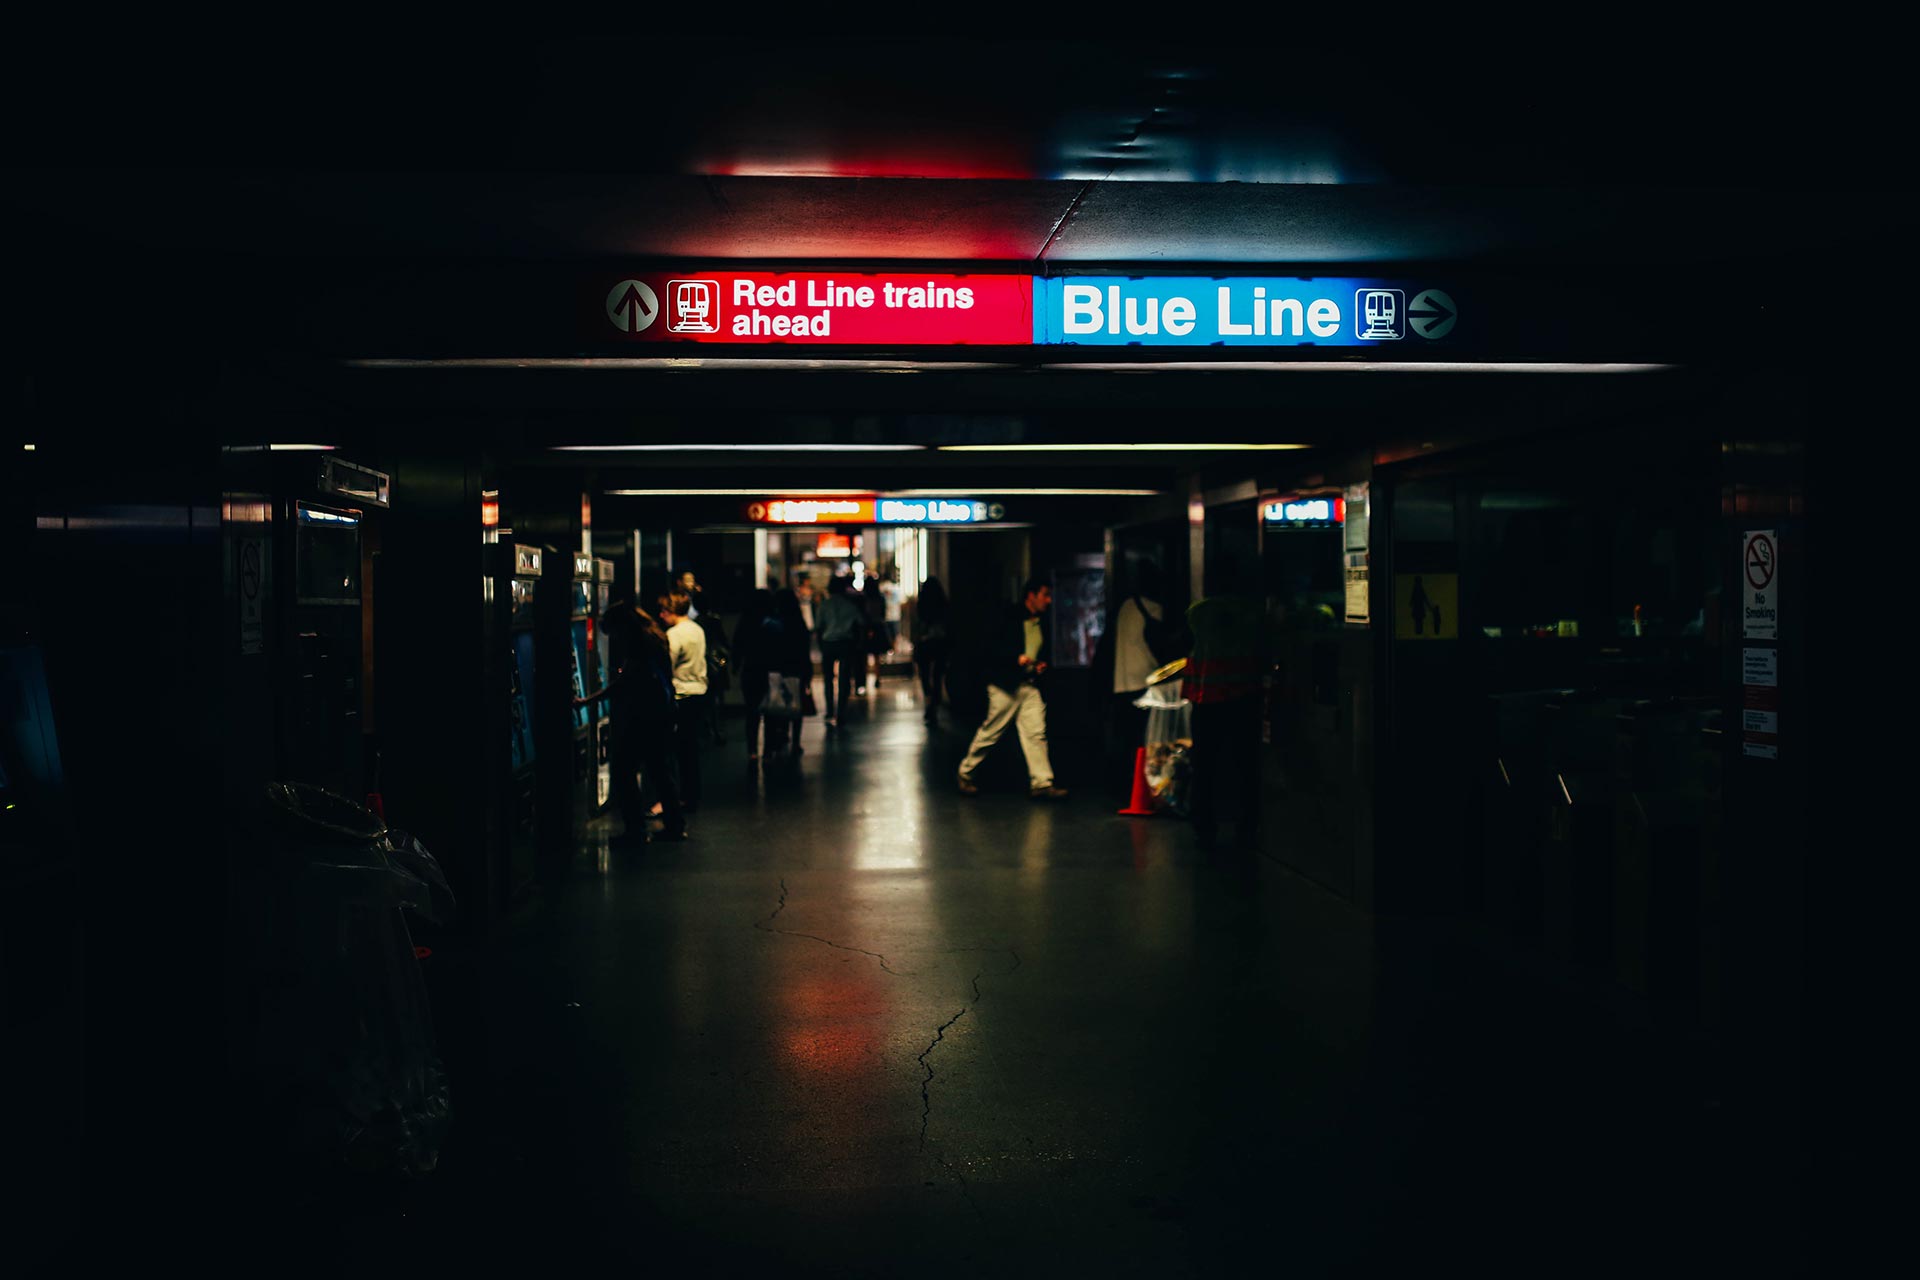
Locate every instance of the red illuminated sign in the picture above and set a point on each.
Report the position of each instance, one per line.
(833, 546)
(815, 307)
(812, 511)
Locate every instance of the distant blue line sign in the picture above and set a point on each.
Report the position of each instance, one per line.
(936, 511)
(1249, 311)
(1306, 513)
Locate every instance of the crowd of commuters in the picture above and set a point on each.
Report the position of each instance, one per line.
(668, 658)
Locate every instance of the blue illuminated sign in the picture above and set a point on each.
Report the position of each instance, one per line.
(1306, 513)
(935, 511)
(1202, 311)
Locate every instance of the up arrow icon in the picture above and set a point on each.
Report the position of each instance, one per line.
(632, 306)
(1432, 314)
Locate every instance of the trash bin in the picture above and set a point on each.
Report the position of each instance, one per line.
(1169, 744)
(346, 1035)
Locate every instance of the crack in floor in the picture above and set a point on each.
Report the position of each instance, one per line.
(766, 926)
(939, 1033)
(926, 1100)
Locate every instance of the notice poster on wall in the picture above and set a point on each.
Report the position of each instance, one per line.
(1354, 537)
(1760, 702)
(1357, 586)
(1079, 615)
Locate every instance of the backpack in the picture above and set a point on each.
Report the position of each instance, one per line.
(1163, 635)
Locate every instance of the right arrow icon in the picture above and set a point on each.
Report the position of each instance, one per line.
(1432, 314)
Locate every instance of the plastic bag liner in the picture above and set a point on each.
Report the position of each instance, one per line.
(1169, 747)
(347, 1036)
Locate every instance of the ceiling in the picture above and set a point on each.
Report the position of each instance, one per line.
(776, 146)
(361, 163)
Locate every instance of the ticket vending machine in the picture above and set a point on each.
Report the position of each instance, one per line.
(584, 677)
(523, 585)
(600, 668)
(573, 649)
(320, 720)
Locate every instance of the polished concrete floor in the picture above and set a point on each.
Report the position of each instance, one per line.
(860, 1025)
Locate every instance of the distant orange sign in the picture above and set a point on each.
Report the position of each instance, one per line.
(812, 511)
(834, 546)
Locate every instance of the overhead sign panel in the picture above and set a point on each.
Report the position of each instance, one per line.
(1238, 311)
(818, 307)
(945, 309)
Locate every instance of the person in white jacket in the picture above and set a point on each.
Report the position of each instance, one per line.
(687, 644)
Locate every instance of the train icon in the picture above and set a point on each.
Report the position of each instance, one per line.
(1380, 315)
(693, 306)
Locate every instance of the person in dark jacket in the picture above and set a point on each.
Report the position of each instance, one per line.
(790, 653)
(1018, 656)
(932, 643)
(642, 727)
(771, 643)
(752, 648)
(875, 642)
(1225, 681)
(840, 626)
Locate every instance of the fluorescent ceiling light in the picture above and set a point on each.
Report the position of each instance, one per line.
(915, 366)
(670, 362)
(950, 491)
(997, 492)
(277, 448)
(1354, 366)
(736, 448)
(1114, 448)
(835, 528)
(761, 492)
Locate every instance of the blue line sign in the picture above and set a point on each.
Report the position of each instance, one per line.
(1242, 311)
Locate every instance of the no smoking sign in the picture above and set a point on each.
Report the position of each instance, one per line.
(1759, 560)
(1760, 567)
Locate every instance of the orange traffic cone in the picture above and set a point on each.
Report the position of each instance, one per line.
(1141, 805)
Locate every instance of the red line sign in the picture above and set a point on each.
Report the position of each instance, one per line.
(815, 308)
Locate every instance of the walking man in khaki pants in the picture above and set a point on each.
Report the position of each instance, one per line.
(1017, 659)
